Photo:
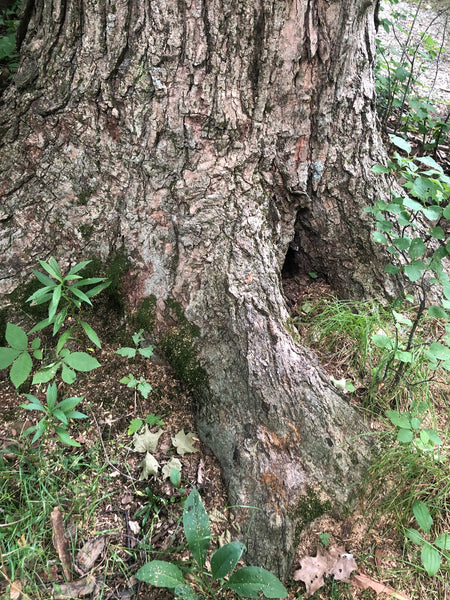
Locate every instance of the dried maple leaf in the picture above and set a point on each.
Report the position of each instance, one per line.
(149, 466)
(174, 463)
(335, 562)
(146, 441)
(184, 442)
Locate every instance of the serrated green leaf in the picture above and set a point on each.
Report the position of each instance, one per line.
(250, 582)
(412, 204)
(160, 574)
(398, 419)
(402, 243)
(224, 560)
(422, 514)
(437, 233)
(46, 374)
(134, 426)
(417, 248)
(144, 388)
(146, 352)
(405, 436)
(34, 404)
(20, 369)
(60, 415)
(414, 270)
(391, 269)
(127, 352)
(81, 361)
(431, 559)
(196, 527)
(379, 237)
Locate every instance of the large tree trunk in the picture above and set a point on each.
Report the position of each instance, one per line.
(197, 135)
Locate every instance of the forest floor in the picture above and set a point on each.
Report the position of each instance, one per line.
(119, 521)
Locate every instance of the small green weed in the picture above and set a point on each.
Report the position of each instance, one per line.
(248, 582)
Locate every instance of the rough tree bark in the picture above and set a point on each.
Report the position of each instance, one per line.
(198, 135)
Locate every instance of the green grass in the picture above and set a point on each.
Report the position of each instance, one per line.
(31, 486)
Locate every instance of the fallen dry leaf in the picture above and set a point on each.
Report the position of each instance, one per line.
(89, 553)
(184, 442)
(60, 542)
(15, 590)
(365, 582)
(335, 562)
(75, 589)
(146, 441)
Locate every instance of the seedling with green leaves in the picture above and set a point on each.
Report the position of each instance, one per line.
(56, 415)
(411, 228)
(65, 295)
(249, 582)
(130, 352)
(19, 355)
(432, 552)
(410, 431)
(141, 384)
(150, 419)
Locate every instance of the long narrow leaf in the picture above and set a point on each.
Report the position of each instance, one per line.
(55, 273)
(78, 267)
(81, 295)
(43, 278)
(196, 527)
(56, 297)
(91, 333)
(97, 289)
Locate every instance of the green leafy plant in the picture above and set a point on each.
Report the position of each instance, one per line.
(130, 352)
(56, 415)
(410, 226)
(410, 431)
(19, 355)
(248, 582)
(141, 384)
(65, 295)
(432, 551)
(150, 419)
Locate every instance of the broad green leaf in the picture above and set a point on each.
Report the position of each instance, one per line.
(412, 204)
(422, 514)
(250, 582)
(405, 357)
(379, 237)
(382, 341)
(68, 375)
(92, 335)
(224, 560)
(437, 233)
(160, 574)
(127, 352)
(46, 374)
(384, 225)
(417, 248)
(20, 369)
(60, 415)
(185, 592)
(35, 344)
(402, 243)
(400, 143)
(378, 169)
(405, 436)
(415, 423)
(69, 403)
(391, 269)
(414, 270)
(434, 437)
(175, 478)
(438, 351)
(65, 438)
(415, 536)
(432, 212)
(398, 419)
(8, 356)
(431, 559)
(81, 361)
(400, 318)
(196, 527)
(16, 337)
(438, 312)
(146, 352)
(443, 541)
(446, 212)
(430, 162)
